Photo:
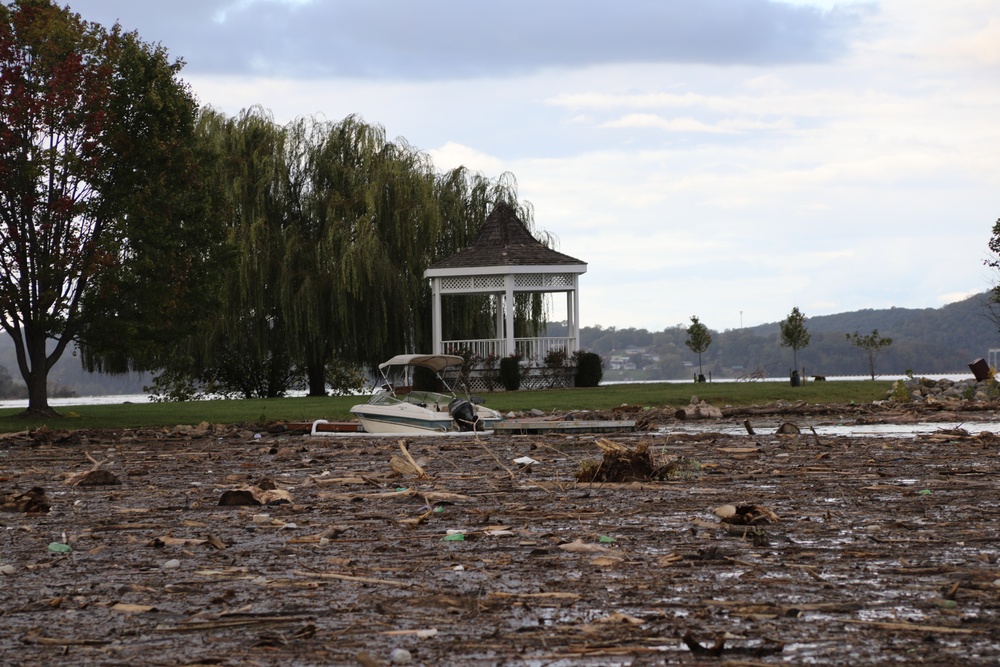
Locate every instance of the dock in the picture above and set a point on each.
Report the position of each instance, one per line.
(541, 427)
(526, 426)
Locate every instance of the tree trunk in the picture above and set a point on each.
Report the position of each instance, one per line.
(38, 395)
(34, 366)
(316, 374)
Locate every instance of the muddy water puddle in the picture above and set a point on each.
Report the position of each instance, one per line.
(885, 549)
(826, 429)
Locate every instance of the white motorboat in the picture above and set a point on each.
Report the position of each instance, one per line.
(393, 409)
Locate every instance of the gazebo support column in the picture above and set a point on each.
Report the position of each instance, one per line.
(436, 316)
(574, 297)
(570, 318)
(509, 315)
(498, 330)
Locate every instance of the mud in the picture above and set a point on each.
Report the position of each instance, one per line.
(884, 550)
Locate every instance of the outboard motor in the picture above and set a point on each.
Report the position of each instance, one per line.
(464, 415)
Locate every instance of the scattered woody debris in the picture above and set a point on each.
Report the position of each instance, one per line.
(624, 464)
(698, 409)
(745, 515)
(788, 428)
(93, 477)
(264, 492)
(142, 556)
(31, 501)
(645, 420)
(43, 436)
(718, 648)
(407, 467)
(619, 464)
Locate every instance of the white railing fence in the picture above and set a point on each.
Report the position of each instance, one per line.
(532, 350)
(485, 355)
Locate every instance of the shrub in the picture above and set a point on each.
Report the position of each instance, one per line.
(556, 358)
(344, 379)
(510, 373)
(556, 372)
(900, 392)
(489, 373)
(589, 369)
(993, 389)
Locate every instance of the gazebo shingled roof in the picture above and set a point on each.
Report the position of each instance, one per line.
(503, 240)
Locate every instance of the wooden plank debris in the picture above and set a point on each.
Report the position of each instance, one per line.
(534, 427)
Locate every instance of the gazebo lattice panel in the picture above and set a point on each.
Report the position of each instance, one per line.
(543, 281)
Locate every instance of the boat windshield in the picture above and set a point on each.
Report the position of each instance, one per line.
(428, 399)
(423, 399)
(383, 398)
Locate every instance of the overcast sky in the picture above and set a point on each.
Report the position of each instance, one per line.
(728, 159)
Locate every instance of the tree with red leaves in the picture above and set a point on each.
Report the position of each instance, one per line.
(100, 221)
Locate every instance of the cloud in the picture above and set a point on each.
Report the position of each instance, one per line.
(952, 297)
(455, 39)
(775, 154)
(982, 45)
(725, 126)
(453, 155)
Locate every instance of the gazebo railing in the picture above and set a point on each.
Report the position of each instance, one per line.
(536, 349)
(532, 349)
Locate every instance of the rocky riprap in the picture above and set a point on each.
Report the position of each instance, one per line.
(925, 390)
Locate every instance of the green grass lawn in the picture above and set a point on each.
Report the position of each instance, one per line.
(262, 411)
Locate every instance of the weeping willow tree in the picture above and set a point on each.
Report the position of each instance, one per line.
(409, 222)
(353, 256)
(330, 227)
(247, 347)
(242, 350)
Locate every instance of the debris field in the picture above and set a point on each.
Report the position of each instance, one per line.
(224, 545)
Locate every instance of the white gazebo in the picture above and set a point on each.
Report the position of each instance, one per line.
(504, 259)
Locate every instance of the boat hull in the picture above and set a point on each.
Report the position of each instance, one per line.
(405, 418)
(393, 419)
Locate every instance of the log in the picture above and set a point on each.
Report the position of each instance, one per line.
(699, 410)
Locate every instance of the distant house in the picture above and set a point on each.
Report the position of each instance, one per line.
(617, 362)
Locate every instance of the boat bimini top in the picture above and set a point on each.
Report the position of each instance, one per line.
(435, 362)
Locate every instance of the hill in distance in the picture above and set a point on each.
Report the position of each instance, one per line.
(925, 341)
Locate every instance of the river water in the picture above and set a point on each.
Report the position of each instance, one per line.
(954, 377)
(114, 399)
(827, 429)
